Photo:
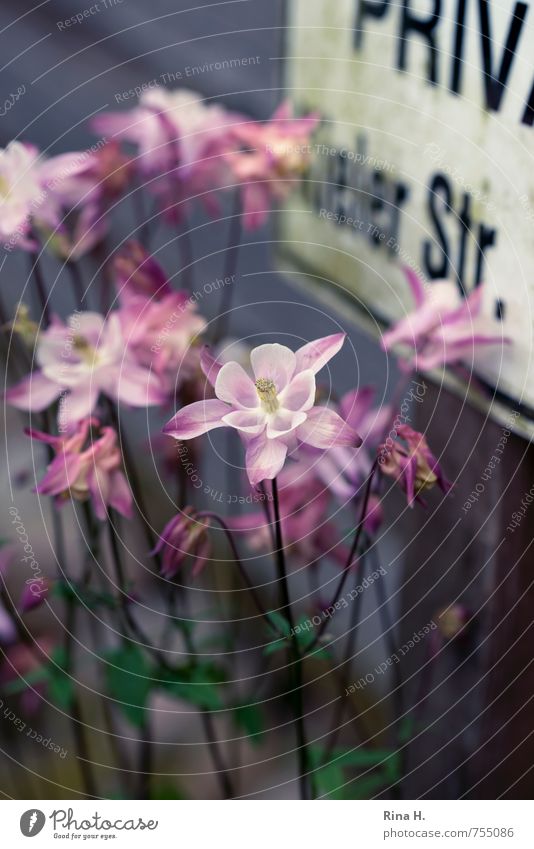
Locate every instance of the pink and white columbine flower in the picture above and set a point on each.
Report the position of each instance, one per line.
(84, 357)
(444, 327)
(87, 466)
(274, 411)
(273, 156)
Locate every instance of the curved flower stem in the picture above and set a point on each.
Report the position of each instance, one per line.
(206, 514)
(129, 621)
(230, 267)
(352, 554)
(296, 659)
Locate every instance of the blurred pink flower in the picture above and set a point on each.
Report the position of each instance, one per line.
(161, 335)
(184, 536)
(20, 192)
(87, 466)
(410, 461)
(180, 140)
(273, 156)
(344, 469)
(138, 274)
(87, 182)
(22, 661)
(272, 412)
(84, 357)
(444, 327)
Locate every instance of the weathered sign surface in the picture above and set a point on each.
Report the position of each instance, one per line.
(425, 158)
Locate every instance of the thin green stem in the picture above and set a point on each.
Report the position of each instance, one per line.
(296, 659)
(351, 556)
(206, 514)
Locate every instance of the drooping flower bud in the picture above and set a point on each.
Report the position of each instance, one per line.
(184, 536)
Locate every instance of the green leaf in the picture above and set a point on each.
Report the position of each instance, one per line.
(406, 730)
(91, 599)
(279, 623)
(249, 718)
(384, 768)
(364, 788)
(274, 646)
(330, 780)
(19, 685)
(198, 684)
(167, 791)
(60, 688)
(129, 681)
(59, 684)
(361, 757)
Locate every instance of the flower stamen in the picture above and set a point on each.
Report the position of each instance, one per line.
(84, 349)
(267, 394)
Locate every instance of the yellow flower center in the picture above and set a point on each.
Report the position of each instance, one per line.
(84, 349)
(267, 394)
(4, 187)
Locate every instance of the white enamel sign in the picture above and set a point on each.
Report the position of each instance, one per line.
(425, 158)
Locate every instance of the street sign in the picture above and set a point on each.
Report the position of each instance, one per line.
(425, 158)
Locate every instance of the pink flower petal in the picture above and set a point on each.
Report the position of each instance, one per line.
(273, 362)
(196, 419)
(323, 428)
(265, 459)
(8, 632)
(283, 422)
(60, 475)
(416, 285)
(299, 394)
(234, 386)
(316, 354)
(98, 482)
(35, 392)
(120, 497)
(355, 405)
(33, 595)
(249, 421)
(209, 365)
(134, 385)
(77, 404)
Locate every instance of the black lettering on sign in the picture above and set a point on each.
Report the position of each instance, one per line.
(439, 204)
(425, 27)
(440, 260)
(365, 9)
(458, 48)
(496, 63)
(494, 86)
